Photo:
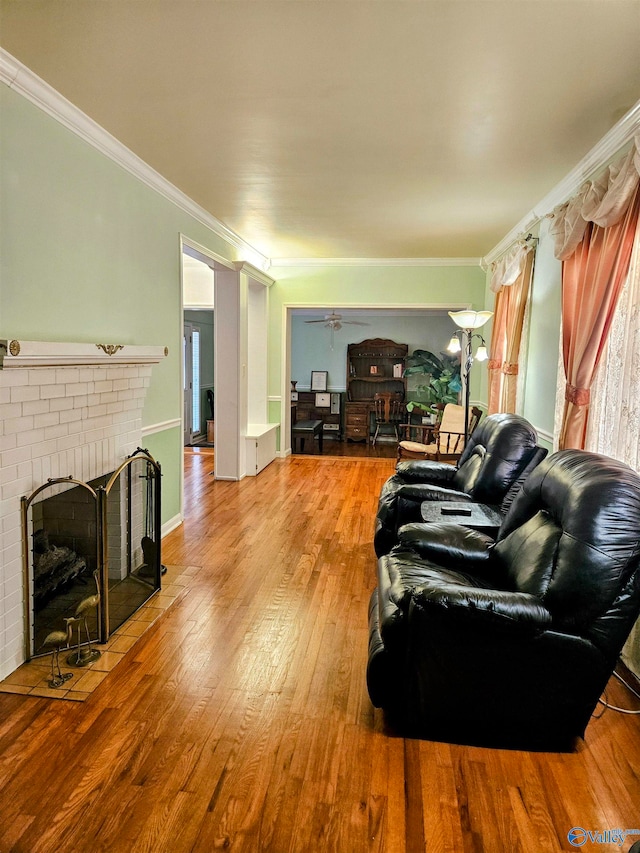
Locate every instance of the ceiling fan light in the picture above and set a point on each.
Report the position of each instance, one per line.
(470, 319)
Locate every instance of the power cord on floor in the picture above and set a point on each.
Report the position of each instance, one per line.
(615, 707)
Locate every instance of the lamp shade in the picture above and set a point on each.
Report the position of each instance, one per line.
(470, 319)
(454, 344)
(481, 353)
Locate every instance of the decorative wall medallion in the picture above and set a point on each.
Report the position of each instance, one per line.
(14, 347)
(110, 349)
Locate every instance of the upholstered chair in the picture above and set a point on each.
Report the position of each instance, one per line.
(500, 451)
(511, 642)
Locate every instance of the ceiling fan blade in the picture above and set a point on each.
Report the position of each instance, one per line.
(355, 323)
(315, 321)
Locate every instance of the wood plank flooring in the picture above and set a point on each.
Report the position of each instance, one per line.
(240, 721)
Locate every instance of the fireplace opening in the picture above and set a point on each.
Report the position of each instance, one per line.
(98, 540)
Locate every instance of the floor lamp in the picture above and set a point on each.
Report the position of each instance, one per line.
(461, 342)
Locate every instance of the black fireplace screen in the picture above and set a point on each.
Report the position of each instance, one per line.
(91, 549)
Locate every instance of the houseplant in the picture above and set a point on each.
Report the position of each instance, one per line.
(443, 384)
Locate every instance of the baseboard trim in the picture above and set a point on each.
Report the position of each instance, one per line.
(171, 524)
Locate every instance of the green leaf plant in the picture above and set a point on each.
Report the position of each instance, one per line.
(443, 385)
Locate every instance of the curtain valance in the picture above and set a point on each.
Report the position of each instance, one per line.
(603, 200)
(506, 271)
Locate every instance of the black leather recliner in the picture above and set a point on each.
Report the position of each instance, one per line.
(500, 453)
(511, 643)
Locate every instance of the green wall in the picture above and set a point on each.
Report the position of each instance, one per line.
(89, 253)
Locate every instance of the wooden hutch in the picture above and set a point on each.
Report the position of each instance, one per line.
(373, 366)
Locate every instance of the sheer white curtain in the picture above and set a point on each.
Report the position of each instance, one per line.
(614, 419)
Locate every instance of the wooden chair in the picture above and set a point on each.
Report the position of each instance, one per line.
(443, 442)
(388, 411)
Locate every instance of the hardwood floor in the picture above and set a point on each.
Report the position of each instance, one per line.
(241, 721)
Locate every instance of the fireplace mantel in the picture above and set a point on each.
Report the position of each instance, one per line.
(19, 353)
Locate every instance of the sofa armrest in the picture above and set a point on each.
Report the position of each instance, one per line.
(493, 608)
(425, 471)
(430, 492)
(448, 544)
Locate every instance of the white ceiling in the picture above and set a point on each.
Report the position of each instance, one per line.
(346, 128)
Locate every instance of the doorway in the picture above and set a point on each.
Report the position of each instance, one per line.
(192, 371)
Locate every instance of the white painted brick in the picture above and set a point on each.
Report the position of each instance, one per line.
(11, 377)
(66, 442)
(49, 391)
(86, 374)
(80, 402)
(36, 407)
(75, 389)
(56, 431)
(14, 583)
(24, 392)
(36, 472)
(66, 375)
(18, 425)
(103, 386)
(109, 397)
(5, 396)
(13, 552)
(11, 411)
(61, 404)
(16, 489)
(70, 416)
(136, 383)
(14, 457)
(45, 448)
(115, 408)
(93, 399)
(41, 376)
(8, 442)
(30, 437)
(120, 384)
(8, 474)
(9, 523)
(46, 419)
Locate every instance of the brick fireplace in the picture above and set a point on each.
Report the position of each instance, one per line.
(67, 410)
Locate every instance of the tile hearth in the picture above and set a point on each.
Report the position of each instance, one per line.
(31, 679)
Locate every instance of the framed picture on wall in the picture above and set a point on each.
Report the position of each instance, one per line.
(319, 379)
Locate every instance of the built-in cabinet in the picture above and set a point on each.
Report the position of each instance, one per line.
(374, 366)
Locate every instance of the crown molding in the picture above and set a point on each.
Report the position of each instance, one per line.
(254, 273)
(611, 143)
(23, 81)
(376, 262)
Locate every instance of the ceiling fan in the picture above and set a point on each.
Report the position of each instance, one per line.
(334, 322)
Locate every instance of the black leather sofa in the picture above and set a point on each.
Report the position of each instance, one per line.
(511, 642)
(500, 453)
